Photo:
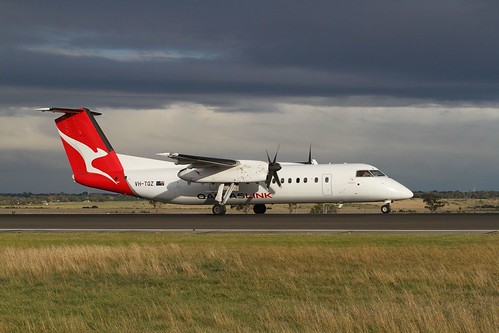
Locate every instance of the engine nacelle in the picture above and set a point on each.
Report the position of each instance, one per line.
(245, 172)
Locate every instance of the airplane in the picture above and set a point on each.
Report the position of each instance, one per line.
(199, 180)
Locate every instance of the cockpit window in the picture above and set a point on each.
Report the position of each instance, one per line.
(370, 173)
(364, 173)
(377, 173)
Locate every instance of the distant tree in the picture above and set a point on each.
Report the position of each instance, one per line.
(292, 207)
(322, 208)
(156, 204)
(433, 202)
(241, 208)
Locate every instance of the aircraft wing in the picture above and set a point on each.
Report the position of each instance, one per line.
(200, 161)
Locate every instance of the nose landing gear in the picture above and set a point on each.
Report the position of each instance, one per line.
(386, 208)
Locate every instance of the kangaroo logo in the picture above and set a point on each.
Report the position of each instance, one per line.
(88, 155)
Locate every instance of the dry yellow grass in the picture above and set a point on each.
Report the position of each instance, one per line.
(310, 283)
(143, 207)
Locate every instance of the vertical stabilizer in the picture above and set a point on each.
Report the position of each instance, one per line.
(93, 160)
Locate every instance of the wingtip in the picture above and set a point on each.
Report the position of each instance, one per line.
(167, 154)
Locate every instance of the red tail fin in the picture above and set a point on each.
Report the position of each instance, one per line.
(92, 158)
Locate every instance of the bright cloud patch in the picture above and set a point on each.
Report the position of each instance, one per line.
(123, 55)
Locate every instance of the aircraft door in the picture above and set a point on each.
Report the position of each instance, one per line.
(327, 184)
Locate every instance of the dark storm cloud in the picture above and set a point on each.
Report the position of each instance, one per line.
(434, 50)
(409, 86)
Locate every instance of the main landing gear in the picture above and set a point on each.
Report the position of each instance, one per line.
(259, 209)
(386, 208)
(223, 194)
(219, 209)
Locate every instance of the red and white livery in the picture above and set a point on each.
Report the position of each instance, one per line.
(198, 180)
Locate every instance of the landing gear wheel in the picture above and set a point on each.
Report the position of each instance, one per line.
(259, 209)
(385, 209)
(218, 209)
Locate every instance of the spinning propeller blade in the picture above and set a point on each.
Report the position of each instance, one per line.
(274, 166)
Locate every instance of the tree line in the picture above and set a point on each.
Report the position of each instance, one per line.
(26, 198)
(459, 194)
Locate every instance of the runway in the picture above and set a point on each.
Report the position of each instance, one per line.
(486, 223)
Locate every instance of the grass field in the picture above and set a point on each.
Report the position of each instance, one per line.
(147, 282)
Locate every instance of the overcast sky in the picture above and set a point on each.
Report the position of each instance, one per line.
(411, 87)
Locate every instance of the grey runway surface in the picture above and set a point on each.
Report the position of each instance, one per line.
(264, 223)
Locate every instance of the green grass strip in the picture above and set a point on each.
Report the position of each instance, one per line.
(147, 282)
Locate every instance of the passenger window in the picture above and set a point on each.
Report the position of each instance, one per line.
(289, 180)
(326, 179)
(305, 179)
(282, 180)
(297, 180)
(316, 179)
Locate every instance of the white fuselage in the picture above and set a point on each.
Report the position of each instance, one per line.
(301, 183)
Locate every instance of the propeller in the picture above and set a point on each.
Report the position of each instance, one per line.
(273, 168)
(309, 155)
(310, 161)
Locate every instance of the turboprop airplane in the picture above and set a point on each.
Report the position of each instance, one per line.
(197, 180)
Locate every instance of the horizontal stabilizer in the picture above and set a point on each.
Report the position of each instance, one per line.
(66, 110)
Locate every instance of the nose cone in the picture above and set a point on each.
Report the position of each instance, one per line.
(405, 193)
(398, 191)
